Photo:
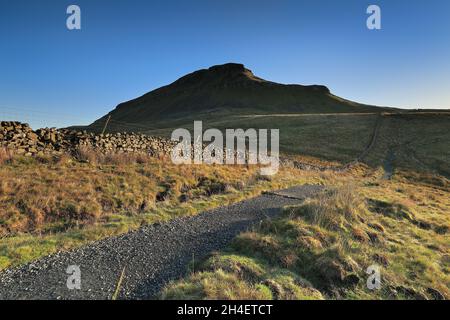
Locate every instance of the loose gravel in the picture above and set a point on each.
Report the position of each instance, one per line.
(150, 257)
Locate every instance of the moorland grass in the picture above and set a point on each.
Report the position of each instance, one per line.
(59, 203)
(324, 246)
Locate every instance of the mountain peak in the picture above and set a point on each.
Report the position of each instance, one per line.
(235, 70)
(230, 89)
(224, 73)
(229, 67)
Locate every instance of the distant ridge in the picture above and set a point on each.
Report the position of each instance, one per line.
(228, 89)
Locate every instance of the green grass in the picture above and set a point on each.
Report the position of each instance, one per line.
(318, 250)
(323, 247)
(330, 137)
(418, 142)
(49, 202)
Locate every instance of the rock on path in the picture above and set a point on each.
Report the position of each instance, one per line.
(151, 256)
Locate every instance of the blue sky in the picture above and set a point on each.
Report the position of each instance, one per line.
(127, 48)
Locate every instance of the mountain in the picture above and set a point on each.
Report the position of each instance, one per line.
(223, 90)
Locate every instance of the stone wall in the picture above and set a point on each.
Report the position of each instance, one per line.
(21, 139)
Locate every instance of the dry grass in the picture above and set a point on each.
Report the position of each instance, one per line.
(5, 156)
(318, 249)
(336, 208)
(325, 245)
(90, 155)
(50, 203)
(48, 194)
(220, 286)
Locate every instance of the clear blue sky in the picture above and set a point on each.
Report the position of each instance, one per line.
(127, 48)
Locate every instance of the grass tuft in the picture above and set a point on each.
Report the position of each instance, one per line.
(323, 247)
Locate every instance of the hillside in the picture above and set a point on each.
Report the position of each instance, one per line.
(228, 89)
(390, 210)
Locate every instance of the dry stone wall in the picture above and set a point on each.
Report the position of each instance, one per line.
(21, 139)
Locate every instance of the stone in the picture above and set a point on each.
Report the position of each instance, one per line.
(21, 139)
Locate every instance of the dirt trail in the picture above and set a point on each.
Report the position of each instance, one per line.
(372, 142)
(151, 256)
(388, 165)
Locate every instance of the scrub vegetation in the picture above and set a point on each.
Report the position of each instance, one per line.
(322, 248)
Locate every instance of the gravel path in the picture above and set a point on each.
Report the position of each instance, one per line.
(151, 256)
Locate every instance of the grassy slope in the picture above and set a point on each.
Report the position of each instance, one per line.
(65, 204)
(322, 248)
(332, 137)
(418, 141)
(48, 204)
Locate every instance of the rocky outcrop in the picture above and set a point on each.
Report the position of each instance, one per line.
(21, 139)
